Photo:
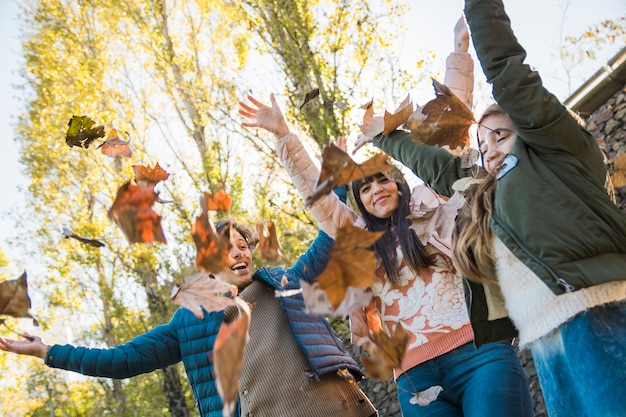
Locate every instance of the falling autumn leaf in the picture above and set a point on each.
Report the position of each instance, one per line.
(351, 263)
(436, 218)
(339, 169)
(67, 233)
(132, 212)
(203, 292)
(371, 125)
(310, 96)
(14, 299)
(220, 201)
(269, 246)
(619, 171)
(150, 175)
(212, 250)
(451, 116)
(81, 132)
(114, 146)
(385, 353)
(402, 113)
(228, 354)
(316, 301)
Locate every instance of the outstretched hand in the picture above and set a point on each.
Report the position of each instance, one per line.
(31, 345)
(265, 117)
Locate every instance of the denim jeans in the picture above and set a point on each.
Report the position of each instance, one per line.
(582, 365)
(484, 382)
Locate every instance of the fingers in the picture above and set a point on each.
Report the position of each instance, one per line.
(342, 143)
(256, 102)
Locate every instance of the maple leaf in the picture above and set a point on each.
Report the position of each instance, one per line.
(385, 353)
(14, 299)
(150, 175)
(351, 263)
(316, 301)
(437, 219)
(114, 146)
(402, 113)
(203, 292)
(310, 96)
(269, 246)
(371, 125)
(228, 355)
(212, 250)
(132, 212)
(451, 116)
(220, 201)
(339, 169)
(67, 233)
(619, 171)
(80, 131)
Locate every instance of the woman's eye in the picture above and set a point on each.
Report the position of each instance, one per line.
(365, 189)
(503, 138)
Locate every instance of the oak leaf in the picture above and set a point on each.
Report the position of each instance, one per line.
(201, 292)
(228, 355)
(220, 201)
(339, 169)
(114, 146)
(402, 113)
(150, 175)
(385, 353)
(619, 171)
(132, 212)
(81, 131)
(451, 116)
(268, 246)
(351, 263)
(212, 250)
(14, 299)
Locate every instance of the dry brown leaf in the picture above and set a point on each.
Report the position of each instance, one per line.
(371, 125)
(437, 220)
(339, 169)
(351, 263)
(14, 299)
(132, 212)
(150, 175)
(385, 353)
(228, 354)
(451, 116)
(114, 146)
(269, 246)
(310, 96)
(619, 171)
(402, 113)
(212, 250)
(202, 291)
(317, 302)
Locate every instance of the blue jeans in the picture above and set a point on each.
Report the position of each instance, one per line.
(484, 382)
(582, 365)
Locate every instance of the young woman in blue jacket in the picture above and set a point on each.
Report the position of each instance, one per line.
(539, 224)
(294, 364)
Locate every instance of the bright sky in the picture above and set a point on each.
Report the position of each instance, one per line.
(540, 25)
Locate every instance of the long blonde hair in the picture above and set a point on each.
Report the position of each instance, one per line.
(472, 240)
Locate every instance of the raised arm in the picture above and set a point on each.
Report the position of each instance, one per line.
(329, 212)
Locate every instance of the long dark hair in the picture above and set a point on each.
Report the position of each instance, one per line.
(385, 248)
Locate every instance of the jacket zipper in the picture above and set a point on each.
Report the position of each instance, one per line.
(560, 281)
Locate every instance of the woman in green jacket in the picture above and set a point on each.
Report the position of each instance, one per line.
(540, 224)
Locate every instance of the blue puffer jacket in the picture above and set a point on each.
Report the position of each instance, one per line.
(185, 338)
(316, 338)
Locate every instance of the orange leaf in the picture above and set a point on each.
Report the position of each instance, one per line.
(150, 175)
(220, 201)
(14, 299)
(339, 169)
(385, 353)
(114, 146)
(393, 120)
(202, 291)
(451, 116)
(212, 249)
(228, 354)
(269, 246)
(132, 212)
(619, 171)
(351, 263)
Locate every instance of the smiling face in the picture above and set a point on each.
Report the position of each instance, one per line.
(239, 267)
(380, 196)
(497, 136)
